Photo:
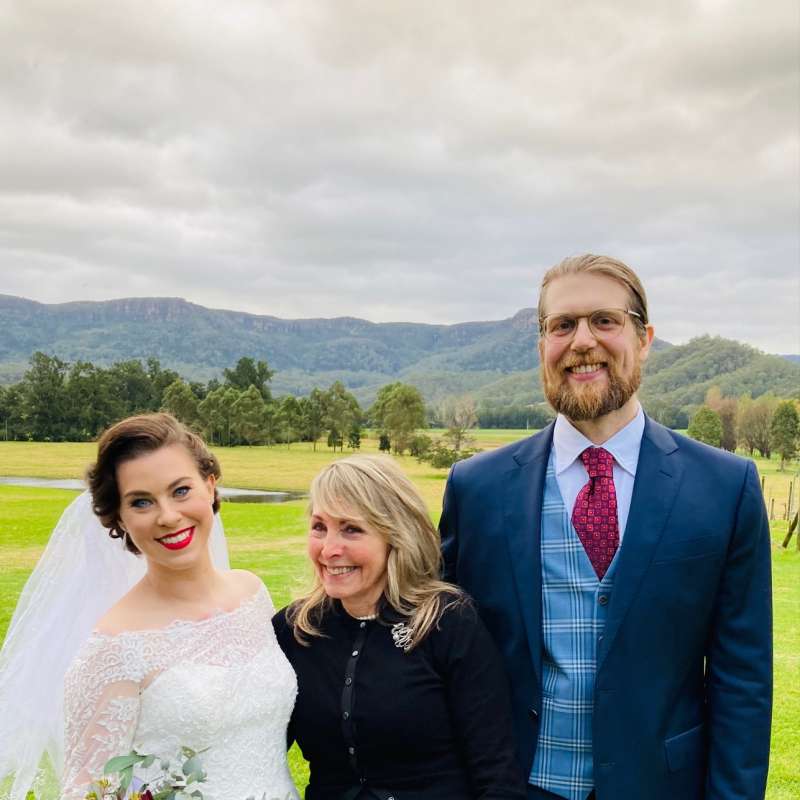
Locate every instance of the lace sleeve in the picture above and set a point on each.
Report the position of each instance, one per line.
(101, 709)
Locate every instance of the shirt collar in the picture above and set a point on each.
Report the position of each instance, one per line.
(569, 443)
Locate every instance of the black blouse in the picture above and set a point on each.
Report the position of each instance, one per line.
(377, 722)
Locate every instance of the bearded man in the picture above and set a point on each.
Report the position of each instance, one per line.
(623, 570)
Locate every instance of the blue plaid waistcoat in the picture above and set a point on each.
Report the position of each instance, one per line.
(574, 606)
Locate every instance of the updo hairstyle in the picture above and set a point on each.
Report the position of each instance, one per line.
(129, 439)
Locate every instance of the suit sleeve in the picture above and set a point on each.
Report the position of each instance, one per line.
(448, 530)
(739, 665)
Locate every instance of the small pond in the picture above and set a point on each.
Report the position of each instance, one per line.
(229, 493)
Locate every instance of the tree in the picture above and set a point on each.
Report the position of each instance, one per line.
(290, 419)
(246, 413)
(215, 414)
(728, 410)
(458, 415)
(248, 372)
(706, 426)
(755, 419)
(312, 410)
(90, 404)
(354, 437)
(342, 412)
(179, 399)
(160, 379)
(131, 384)
(11, 410)
(44, 398)
(784, 430)
(398, 411)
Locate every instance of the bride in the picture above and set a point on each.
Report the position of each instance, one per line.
(186, 657)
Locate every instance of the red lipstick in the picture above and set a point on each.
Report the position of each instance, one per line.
(181, 543)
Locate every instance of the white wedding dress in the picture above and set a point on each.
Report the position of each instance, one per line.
(222, 683)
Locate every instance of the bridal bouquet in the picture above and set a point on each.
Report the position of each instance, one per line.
(178, 779)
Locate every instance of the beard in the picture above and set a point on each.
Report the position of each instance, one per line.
(589, 401)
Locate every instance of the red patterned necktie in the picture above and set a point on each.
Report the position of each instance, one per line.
(595, 513)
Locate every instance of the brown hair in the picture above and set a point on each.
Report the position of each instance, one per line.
(374, 490)
(129, 439)
(601, 265)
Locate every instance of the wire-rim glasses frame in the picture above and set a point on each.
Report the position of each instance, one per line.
(604, 323)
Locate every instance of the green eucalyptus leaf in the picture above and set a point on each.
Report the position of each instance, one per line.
(147, 761)
(119, 763)
(191, 765)
(188, 752)
(125, 778)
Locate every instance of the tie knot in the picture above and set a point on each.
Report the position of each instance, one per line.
(599, 463)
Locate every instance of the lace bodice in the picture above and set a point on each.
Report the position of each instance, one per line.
(221, 683)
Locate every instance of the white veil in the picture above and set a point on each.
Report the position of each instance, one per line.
(80, 575)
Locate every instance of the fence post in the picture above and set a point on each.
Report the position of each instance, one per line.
(772, 508)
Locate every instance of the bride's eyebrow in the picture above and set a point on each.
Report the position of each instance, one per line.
(143, 493)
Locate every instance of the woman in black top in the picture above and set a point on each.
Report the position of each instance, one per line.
(401, 693)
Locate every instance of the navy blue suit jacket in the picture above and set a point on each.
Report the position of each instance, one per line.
(683, 691)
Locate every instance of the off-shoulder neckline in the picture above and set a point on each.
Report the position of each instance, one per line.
(214, 616)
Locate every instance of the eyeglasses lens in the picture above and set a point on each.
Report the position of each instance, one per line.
(604, 324)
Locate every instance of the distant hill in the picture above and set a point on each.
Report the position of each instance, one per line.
(497, 360)
(681, 375)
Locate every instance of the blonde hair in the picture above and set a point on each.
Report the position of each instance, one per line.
(373, 490)
(600, 265)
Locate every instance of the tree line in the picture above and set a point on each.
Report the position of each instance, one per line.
(59, 401)
(765, 425)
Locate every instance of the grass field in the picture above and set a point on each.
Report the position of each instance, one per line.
(270, 541)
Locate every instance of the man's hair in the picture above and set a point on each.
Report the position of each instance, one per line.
(374, 491)
(600, 265)
(129, 439)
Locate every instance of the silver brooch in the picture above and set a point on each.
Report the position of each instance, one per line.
(403, 636)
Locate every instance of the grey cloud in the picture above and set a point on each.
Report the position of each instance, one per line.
(404, 160)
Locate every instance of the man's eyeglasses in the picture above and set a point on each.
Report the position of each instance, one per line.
(605, 323)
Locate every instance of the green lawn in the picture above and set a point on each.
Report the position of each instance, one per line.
(269, 540)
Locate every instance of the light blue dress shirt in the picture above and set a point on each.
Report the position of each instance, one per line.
(571, 475)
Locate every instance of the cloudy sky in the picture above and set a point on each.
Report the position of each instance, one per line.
(404, 159)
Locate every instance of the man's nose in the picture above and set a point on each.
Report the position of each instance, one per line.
(583, 339)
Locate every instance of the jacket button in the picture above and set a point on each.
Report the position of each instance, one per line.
(533, 713)
(603, 599)
(351, 750)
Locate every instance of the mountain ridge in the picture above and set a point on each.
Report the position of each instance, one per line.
(496, 360)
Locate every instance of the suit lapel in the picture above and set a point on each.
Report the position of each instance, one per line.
(524, 487)
(658, 476)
